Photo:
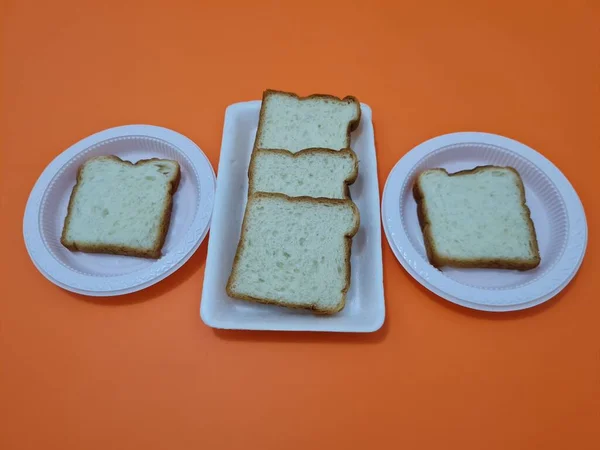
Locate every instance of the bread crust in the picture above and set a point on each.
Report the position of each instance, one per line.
(323, 151)
(347, 249)
(352, 125)
(439, 261)
(153, 253)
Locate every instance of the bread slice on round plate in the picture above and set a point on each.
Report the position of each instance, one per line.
(476, 218)
(121, 208)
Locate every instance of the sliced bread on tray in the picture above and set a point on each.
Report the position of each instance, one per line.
(289, 122)
(476, 219)
(295, 252)
(121, 208)
(313, 172)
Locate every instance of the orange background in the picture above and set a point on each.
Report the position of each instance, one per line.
(143, 371)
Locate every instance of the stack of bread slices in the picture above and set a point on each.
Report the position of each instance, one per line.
(296, 236)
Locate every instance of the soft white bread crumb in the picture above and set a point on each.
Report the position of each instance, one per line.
(291, 123)
(312, 173)
(120, 208)
(476, 218)
(295, 252)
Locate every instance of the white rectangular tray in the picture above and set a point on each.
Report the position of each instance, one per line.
(365, 306)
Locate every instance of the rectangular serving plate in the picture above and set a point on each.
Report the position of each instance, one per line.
(365, 306)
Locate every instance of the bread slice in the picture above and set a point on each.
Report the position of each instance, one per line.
(121, 208)
(312, 173)
(295, 252)
(476, 218)
(288, 122)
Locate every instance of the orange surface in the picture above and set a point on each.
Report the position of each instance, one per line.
(143, 371)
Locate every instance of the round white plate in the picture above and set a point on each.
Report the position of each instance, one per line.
(556, 211)
(108, 275)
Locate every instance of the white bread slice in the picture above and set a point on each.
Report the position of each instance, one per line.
(476, 218)
(312, 173)
(288, 122)
(121, 208)
(295, 252)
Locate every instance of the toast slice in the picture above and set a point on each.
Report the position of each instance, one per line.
(312, 172)
(289, 122)
(476, 219)
(121, 208)
(295, 252)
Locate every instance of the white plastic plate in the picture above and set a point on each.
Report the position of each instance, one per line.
(365, 308)
(109, 275)
(556, 211)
